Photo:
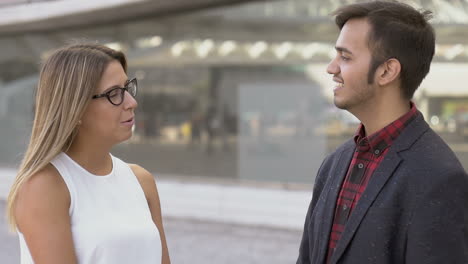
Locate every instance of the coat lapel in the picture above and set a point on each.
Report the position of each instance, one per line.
(340, 170)
(378, 180)
(376, 183)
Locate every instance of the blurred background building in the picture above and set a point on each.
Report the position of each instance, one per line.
(235, 105)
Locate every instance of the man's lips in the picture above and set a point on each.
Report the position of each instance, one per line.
(338, 83)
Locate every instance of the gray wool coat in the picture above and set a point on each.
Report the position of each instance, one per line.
(414, 209)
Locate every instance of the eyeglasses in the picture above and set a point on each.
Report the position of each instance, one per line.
(116, 95)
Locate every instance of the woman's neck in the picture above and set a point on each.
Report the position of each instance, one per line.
(92, 157)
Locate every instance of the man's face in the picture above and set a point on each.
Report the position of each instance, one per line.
(350, 67)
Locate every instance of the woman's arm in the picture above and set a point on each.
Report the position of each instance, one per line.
(148, 185)
(42, 216)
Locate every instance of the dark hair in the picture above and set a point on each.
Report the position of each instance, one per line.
(397, 31)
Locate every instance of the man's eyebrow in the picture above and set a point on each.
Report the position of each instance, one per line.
(341, 49)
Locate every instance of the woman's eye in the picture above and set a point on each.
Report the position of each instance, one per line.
(114, 93)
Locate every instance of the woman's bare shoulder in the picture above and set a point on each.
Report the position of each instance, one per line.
(142, 174)
(42, 214)
(44, 193)
(146, 180)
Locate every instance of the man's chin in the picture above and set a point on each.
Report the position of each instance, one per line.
(340, 105)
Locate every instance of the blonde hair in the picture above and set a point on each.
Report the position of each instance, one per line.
(67, 81)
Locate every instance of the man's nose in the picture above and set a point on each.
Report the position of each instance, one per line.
(333, 67)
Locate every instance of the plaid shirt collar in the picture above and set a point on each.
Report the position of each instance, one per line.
(383, 138)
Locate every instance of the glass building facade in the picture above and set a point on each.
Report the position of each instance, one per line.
(236, 92)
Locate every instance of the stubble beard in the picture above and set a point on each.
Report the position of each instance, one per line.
(357, 100)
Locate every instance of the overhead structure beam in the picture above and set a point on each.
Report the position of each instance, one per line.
(111, 15)
(273, 22)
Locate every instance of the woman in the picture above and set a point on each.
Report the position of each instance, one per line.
(72, 201)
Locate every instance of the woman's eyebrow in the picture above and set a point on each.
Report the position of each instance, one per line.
(116, 86)
(110, 88)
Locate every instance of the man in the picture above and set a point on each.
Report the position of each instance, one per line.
(395, 193)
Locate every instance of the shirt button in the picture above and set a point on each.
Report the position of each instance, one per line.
(377, 152)
(360, 165)
(345, 207)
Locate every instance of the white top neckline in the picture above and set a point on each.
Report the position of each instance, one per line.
(85, 171)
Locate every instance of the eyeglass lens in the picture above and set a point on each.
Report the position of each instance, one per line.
(117, 95)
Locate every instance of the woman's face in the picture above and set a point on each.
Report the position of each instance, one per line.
(104, 122)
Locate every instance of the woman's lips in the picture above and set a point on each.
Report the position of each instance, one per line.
(129, 122)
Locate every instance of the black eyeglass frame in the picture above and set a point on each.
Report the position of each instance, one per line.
(122, 94)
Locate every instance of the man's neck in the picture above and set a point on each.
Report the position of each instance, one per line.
(381, 114)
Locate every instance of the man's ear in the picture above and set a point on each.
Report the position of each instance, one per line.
(388, 72)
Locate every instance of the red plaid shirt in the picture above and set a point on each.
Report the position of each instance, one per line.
(370, 151)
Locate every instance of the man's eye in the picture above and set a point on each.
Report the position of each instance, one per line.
(344, 58)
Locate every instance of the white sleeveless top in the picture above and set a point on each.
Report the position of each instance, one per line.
(110, 219)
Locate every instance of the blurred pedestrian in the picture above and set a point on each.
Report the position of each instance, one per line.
(196, 123)
(73, 201)
(211, 127)
(395, 193)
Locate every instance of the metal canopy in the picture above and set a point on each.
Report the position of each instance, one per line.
(297, 21)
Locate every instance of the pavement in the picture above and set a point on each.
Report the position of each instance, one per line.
(193, 242)
(211, 222)
(271, 205)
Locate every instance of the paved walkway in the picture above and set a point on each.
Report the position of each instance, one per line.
(271, 206)
(211, 222)
(197, 242)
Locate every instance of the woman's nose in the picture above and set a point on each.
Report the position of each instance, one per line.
(129, 101)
